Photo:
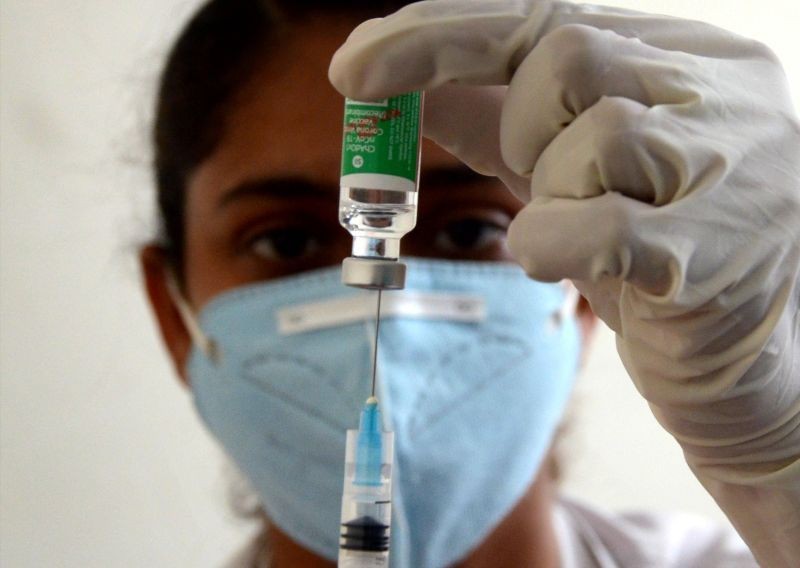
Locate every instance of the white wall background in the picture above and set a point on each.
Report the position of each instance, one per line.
(103, 461)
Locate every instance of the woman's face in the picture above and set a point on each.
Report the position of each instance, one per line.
(265, 203)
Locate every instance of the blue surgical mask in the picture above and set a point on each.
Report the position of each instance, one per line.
(473, 390)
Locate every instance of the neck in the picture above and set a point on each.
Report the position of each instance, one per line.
(525, 537)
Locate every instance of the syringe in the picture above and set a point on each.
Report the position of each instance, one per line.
(367, 498)
(377, 205)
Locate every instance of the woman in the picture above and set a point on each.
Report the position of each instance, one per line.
(247, 136)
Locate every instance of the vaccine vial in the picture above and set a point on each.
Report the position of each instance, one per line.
(378, 196)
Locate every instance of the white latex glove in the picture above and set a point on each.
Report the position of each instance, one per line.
(660, 159)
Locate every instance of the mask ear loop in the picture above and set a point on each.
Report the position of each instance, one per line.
(199, 338)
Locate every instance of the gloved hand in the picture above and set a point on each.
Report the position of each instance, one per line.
(660, 159)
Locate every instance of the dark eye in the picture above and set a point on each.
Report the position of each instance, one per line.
(289, 243)
(469, 234)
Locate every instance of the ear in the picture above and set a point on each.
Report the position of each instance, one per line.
(155, 269)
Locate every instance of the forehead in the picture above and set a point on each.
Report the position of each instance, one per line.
(284, 118)
(287, 120)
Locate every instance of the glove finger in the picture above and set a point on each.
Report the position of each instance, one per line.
(427, 44)
(465, 121)
(622, 146)
(573, 68)
(593, 240)
(603, 297)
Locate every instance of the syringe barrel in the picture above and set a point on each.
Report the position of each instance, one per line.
(366, 509)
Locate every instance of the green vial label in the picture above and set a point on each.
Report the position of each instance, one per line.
(382, 138)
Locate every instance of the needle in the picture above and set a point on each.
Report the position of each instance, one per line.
(375, 349)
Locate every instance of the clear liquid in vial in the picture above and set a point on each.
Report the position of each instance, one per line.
(377, 219)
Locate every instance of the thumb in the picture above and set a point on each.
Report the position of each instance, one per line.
(465, 121)
(427, 44)
(593, 240)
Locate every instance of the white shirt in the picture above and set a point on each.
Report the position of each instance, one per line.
(591, 538)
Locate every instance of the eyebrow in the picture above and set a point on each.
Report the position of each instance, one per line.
(292, 187)
(279, 187)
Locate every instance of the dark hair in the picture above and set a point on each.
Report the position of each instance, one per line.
(214, 56)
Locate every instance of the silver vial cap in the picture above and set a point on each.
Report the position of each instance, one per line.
(373, 273)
